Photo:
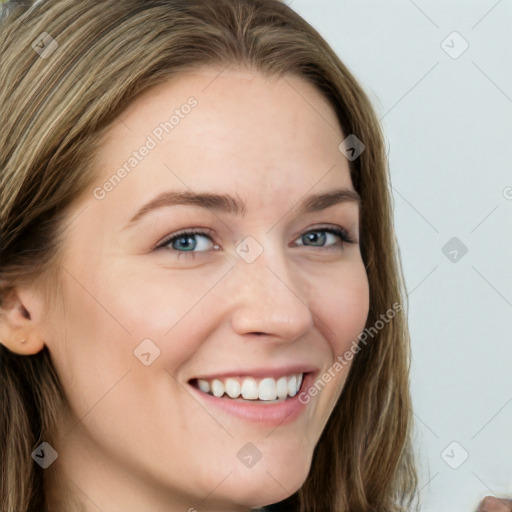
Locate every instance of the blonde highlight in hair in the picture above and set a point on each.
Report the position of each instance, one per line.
(55, 112)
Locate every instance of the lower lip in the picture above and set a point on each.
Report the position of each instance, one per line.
(279, 413)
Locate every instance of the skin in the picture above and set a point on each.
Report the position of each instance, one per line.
(493, 504)
(135, 438)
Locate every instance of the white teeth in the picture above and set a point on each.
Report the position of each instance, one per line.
(233, 388)
(267, 389)
(204, 385)
(249, 389)
(217, 388)
(282, 388)
(299, 381)
(292, 385)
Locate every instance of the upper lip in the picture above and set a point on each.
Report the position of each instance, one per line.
(260, 372)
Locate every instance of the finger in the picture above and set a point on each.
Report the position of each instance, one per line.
(493, 504)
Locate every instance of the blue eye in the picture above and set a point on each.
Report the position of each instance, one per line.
(312, 236)
(186, 241)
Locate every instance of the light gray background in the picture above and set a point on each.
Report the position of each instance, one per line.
(448, 125)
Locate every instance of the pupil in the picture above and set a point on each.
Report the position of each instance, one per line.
(314, 237)
(185, 240)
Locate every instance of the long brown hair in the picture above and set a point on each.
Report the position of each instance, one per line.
(55, 109)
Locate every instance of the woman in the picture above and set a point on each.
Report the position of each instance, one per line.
(201, 299)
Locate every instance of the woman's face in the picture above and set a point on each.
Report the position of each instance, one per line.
(259, 294)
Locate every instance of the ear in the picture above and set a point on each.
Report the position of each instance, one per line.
(19, 323)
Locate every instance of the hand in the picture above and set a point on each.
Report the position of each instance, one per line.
(493, 504)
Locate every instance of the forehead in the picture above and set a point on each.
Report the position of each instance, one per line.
(212, 85)
(236, 110)
(211, 129)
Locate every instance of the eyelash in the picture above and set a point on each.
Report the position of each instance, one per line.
(343, 234)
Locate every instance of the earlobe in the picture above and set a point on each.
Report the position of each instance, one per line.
(18, 330)
(19, 341)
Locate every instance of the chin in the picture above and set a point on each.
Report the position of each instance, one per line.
(268, 483)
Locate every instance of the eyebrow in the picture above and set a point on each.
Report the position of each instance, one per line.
(225, 203)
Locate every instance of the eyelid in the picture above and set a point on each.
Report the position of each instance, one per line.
(344, 234)
(190, 231)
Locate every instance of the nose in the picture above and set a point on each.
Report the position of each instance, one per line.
(267, 300)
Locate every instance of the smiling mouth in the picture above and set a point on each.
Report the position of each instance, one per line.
(250, 389)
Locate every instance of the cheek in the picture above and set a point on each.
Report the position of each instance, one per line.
(341, 310)
(91, 345)
(343, 307)
(170, 307)
(138, 311)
